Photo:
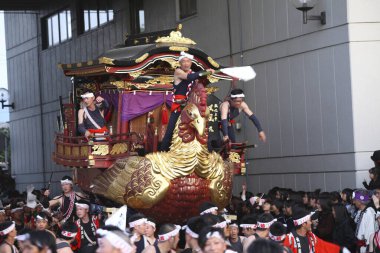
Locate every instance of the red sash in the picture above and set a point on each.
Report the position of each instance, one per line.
(98, 131)
(177, 106)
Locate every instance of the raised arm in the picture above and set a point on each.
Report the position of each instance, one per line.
(254, 120)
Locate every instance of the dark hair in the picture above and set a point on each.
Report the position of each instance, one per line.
(42, 239)
(196, 224)
(325, 203)
(136, 217)
(277, 229)
(278, 204)
(299, 213)
(264, 246)
(4, 226)
(166, 228)
(68, 226)
(335, 197)
(209, 219)
(375, 171)
(348, 193)
(341, 213)
(202, 239)
(264, 218)
(67, 177)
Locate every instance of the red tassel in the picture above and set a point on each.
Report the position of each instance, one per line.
(164, 115)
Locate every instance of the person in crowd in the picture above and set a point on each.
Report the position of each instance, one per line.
(67, 236)
(17, 215)
(137, 226)
(374, 179)
(245, 195)
(264, 222)
(3, 216)
(114, 240)
(288, 213)
(365, 219)
(208, 207)
(91, 117)
(85, 240)
(325, 226)
(276, 210)
(223, 224)
(346, 195)
(265, 246)
(168, 238)
(8, 234)
(184, 81)
(212, 240)
(192, 229)
(39, 242)
(303, 240)
(335, 198)
(230, 109)
(343, 233)
(42, 221)
(66, 201)
(277, 233)
(313, 200)
(374, 241)
(150, 229)
(275, 193)
(248, 225)
(235, 240)
(21, 237)
(376, 158)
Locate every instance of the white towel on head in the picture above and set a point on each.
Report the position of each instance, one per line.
(185, 55)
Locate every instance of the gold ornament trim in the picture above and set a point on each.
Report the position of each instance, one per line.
(234, 157)
(161, 80)
(175, 37)
(212, 79)
(178, 49)
(79, 64)
(90, 62)
(106, 60)
(213, 62)
(173, 63)
(119, 148)
(211, 90)
(142, 58)
(100, 150)
(135, 74)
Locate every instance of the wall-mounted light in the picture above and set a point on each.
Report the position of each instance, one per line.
(4, 98)
(307, 5)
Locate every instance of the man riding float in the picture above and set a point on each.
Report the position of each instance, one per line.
(184, 81)
(91, 118)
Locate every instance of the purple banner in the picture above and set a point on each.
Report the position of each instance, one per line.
(137, 104)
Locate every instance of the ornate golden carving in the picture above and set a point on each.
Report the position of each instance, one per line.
(75, 151)
(119, 148)
(212, 78)
(79, 64)
(161, 80)
(211, 90)
(60, 149)
(142, 58)
(84, 151)
(67, 151)
(100, 150)
(106, 60)
(180, 49)
(135, 74)
(69, 65)
(234, 157)
(90, 62)
(173, 63)
(213, 63)
(175, 37)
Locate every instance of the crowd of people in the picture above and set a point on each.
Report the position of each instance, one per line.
(281, 220)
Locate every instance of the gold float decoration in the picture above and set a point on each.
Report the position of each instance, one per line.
(173, 63)
(100, 150)
(211, 90)
(161, 80)
(180, 49)
(142, 58)
(119, 148)
(212, 79)
(213, 62)
(175, 37)
(234, 157)
(135, 74)
(106, 60)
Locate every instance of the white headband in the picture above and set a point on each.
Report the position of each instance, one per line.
(265, 224)
(167, 236)
(115, 240)
(2, 211)
(23, 237)
(234, 225)
(254, 226)
(185, 55)
(222, 224)
(40, 218)
(277, 238)
(137, 222)
(190, 232)
(214, 234)
(83, 205)
(238, 96)
(210, 210)
(66, 181)
(17, 209)
(69, 234)
(302, 220)
(8, 230)
(88, 95)
(151, 223)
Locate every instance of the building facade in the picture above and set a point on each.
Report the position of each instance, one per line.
(314, 91)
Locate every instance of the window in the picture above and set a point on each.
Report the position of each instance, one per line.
(95, 14)
(56, 28)
(187, 8)
(137, 16)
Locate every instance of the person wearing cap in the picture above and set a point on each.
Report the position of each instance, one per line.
(168, 238)
(277, 233)
(264, 222)
(113, 239)
(184, 81)
(230, 109)
(91, 117)
(302, 239)
(87, 225)
(212, 240)
(364, 219)
(137, 226)
(234, 239)
(66, 201)
(67, 235)
(208, 208)
(150, 229)
(192, 229)
(8, 234)
(376, 158)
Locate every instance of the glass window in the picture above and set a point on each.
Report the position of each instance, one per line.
(57, 28)
(187, 8)
(95, 14)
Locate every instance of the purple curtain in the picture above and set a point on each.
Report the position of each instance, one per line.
(112, 98)
(139, 103)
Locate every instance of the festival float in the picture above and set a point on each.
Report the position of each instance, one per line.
(125, 167)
